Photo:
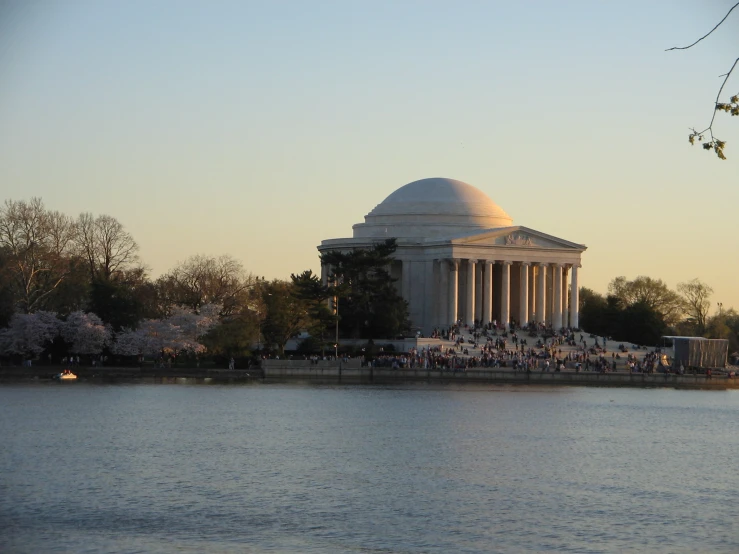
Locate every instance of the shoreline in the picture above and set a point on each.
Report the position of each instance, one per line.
(351, 374)
(284, 371)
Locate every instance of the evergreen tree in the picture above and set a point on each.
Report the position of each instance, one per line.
(313, 296)
(369, 303)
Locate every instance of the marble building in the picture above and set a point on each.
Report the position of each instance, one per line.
(461, 258)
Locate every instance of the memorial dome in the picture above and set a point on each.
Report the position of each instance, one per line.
(433, 207)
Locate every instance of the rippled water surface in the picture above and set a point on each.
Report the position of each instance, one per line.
(289, 468)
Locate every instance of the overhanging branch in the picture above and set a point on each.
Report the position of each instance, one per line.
(708, 33)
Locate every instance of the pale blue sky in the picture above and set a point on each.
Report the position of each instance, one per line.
(258, 129)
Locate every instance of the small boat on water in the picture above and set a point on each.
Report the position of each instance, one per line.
(66, 375)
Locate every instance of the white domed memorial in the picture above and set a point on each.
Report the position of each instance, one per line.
(460, 258)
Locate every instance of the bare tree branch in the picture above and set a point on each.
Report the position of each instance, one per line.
(731, 107)
(708, 33)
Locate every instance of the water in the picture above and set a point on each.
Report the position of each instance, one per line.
(298, 468)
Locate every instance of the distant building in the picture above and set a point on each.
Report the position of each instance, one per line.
(698, 352)
(460, 257)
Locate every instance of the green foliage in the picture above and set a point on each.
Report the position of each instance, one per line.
(114, 303)
(7, 299)
(313, 297)
(310, 345)
(642, 324)
(637, 322)
(286, 314)
(652, 292)
(369, 303)
(233, 337)
(593, 306)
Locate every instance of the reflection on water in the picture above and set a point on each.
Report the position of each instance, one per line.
(286, 468)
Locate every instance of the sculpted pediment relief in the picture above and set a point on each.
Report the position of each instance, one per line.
(517, 237)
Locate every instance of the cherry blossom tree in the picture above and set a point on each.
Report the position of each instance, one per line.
(130, 342)
(86, 333)
(177, 334)
(194, 325)
(29, 334)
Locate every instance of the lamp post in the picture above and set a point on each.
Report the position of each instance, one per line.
(336, 344)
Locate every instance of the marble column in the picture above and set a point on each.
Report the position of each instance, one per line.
(574, 300)
(487, 303)
(470, 305)
(541, 281)
(428, 309)
(505, 295)
(524, 295)
(443, 300)
(478, 291)
(532, 292)
(557, 309)
(565, 290)
(453, 291)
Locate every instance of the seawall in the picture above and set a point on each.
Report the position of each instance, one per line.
(352, 372)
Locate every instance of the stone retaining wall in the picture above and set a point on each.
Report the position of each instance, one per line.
(352, 372)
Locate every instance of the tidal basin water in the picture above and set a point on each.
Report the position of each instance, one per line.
(299, 468)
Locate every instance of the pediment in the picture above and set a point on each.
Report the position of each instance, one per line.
(514, 237)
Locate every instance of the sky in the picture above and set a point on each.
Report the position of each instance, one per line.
(259, 129)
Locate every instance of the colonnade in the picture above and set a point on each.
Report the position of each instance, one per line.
(442, 292)
(506, 290)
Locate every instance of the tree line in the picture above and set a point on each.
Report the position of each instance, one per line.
(644, 309)
(76, 286)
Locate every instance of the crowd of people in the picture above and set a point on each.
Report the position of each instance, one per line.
(491, 346)
(463, 347)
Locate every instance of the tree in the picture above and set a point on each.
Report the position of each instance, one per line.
(723, 325)
(193, 325)
(202, 279)
(732, 106)
(652, 292)
(314, 296)
(592, 307)
(115, 303)
(234, 336)
(286, 314)
(29, 334)
(178, 333)
(38, 246)
(630, 315)
(696, 297)
(7, 300)
(641, 323)
(370, 305)
(130, 342)
(105, 245)
(86, 333)
(73, 293)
